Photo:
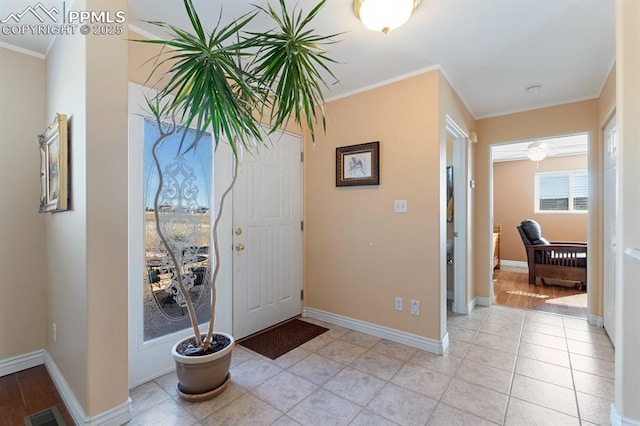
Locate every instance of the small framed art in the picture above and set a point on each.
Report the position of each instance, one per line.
(358, 164)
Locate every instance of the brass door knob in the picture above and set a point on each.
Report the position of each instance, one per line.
(239, 246)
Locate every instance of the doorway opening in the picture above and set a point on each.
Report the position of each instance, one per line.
(545, 181)
(457, 217)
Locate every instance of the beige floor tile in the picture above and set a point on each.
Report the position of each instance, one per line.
(284, 391)
(458, 348)
(461, 334)
(553, 342)
(576, 323)
(377, 364)
(168, 412)
(341, 351)
(464, 321)
(253, 373)
(285, 421)
(449, 416)
(501, 329)
(591, 349)
(324, 408)
(368, 418)
(542, 353)
(445, 364)
(317, 343)
(355, 385)
(169, 383)
(240, 355)
(496, 342)
(594, 385)
(360, 339)
(292, 357)
(597, 335)
(474, 399)
(422, 380)
(394, 349)
(492, 357)
(200, 410)
(485, 376)
(545, 372)
(402, 406)
(146, 396)
(545, 394)
(246, 411)
(550, 330)
(522, 413)
(335, 331)
(592, 365)
(593, 409)
(542, 318)
(316, 369)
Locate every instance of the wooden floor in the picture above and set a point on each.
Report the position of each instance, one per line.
(511, 288)
(28, 392)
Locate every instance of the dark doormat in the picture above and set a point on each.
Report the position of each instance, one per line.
(276, 341)
(49, 417)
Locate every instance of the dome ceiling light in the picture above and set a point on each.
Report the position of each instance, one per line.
(384, 15)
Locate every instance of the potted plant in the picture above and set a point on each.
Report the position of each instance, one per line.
(241, 86)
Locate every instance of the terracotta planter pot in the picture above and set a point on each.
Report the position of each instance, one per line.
(203, 377)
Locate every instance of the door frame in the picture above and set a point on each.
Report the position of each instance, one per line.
(155, 355)
(461, 217)
(615, 217)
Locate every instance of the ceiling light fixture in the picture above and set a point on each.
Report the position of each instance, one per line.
(537, 151)
(384, 15)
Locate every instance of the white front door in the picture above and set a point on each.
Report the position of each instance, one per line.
(610, 225)
(267, 240)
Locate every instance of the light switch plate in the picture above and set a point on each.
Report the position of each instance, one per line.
(400, 206)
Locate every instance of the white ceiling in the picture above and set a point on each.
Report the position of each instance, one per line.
(490, 50)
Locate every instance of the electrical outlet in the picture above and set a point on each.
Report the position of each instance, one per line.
(400, 206)
(54, 332)
(415, 307)
(399, 303)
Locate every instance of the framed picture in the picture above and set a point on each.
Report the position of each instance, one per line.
(358, 164)
(53, 166)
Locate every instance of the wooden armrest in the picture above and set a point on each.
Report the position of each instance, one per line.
(575, 243)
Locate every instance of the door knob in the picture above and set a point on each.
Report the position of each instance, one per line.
(238, 231)
(239, 246)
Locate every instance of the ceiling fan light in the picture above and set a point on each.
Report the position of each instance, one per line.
(537, 151)
(384, 15)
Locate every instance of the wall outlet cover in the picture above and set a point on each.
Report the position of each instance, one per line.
(415, 307)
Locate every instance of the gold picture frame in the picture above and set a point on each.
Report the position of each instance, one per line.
(53, 166)
(358, 164)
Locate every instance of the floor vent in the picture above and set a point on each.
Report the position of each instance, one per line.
(49, 417)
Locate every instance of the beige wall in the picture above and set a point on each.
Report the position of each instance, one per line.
(22, 242)
(359, 254)
(628, 298)
(577, 117)
(513, 201)
(87, 246)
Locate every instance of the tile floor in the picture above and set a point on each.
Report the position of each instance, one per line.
(503, 366)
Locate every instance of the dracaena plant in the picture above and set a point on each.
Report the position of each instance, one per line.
(241, 86)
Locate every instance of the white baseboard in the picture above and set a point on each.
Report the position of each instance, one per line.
(449, 294)
(21, 362)
(482, 301)
(398, 336)
(595, 320)
(116, 416)
(616, 420)
(515, 263)
(471, 305)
